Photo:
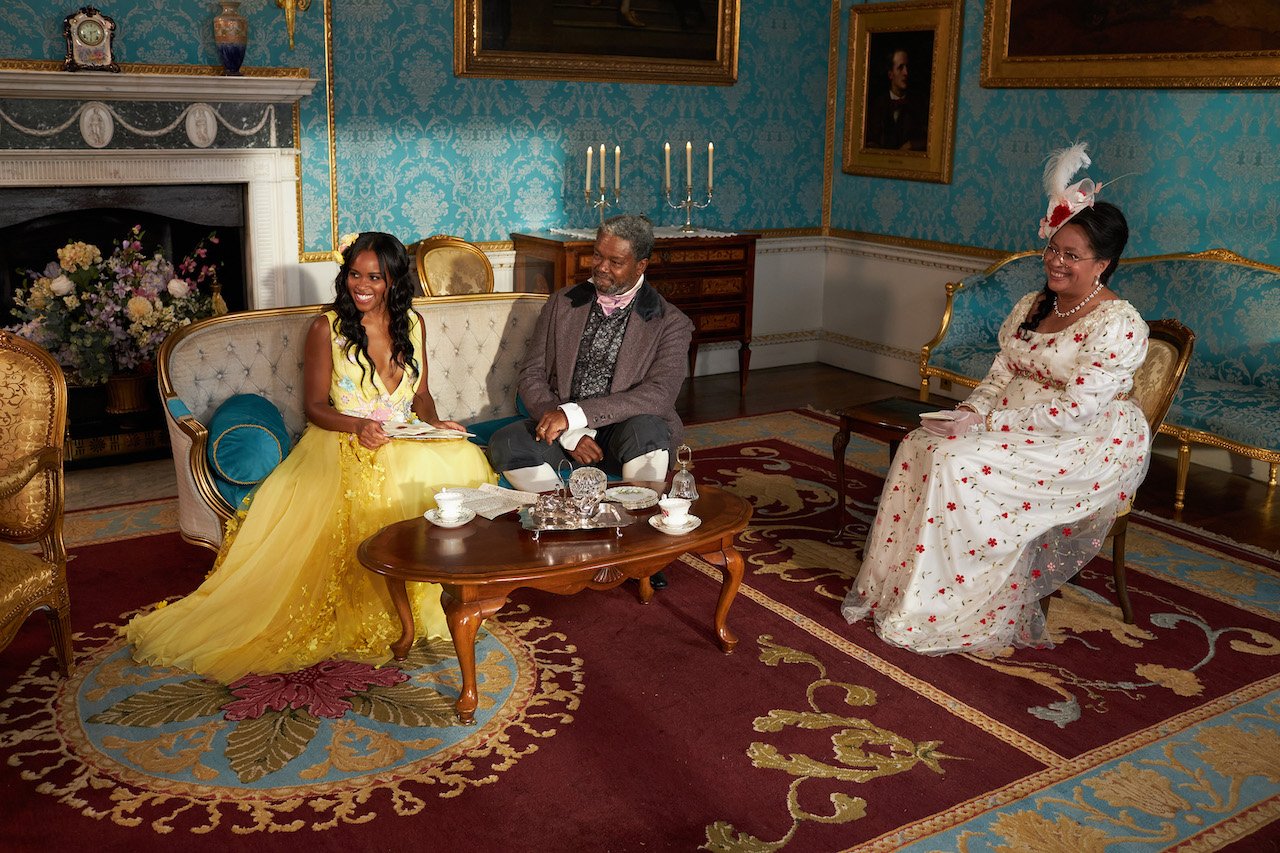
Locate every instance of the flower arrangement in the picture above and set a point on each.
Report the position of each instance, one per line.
(98, 317)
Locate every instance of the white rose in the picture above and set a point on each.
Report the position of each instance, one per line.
(61, 286)
(178, 288)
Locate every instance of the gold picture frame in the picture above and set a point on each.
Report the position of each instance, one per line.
(691, 42)
(1093, 44)
(892, 46)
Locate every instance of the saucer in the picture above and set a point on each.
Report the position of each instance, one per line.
(433, 516)
(655, 521)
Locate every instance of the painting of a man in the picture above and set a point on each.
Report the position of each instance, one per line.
(897, 113)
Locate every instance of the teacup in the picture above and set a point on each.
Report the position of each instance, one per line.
(449, 505)
(675, 512)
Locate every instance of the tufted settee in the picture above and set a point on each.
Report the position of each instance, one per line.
(1230, 397)
(474, 345)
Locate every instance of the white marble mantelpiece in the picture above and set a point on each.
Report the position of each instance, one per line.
(105, 86)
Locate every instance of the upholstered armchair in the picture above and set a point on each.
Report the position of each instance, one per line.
(450, 266)
(33, 423)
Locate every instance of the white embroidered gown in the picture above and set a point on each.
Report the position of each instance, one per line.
(973, 530)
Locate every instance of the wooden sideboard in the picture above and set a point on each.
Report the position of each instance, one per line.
(711, 279)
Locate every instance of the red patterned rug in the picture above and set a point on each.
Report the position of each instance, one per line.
(606, 725)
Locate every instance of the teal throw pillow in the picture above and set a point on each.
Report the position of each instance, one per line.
(247, 440)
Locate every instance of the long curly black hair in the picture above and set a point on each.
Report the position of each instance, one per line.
(393, 260)
(1107, 232)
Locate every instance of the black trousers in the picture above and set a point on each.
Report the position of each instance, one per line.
(514, 446)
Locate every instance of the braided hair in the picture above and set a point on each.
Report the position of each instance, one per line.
(393, 261)
(1107, 232)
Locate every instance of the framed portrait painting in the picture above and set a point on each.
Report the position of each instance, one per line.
(693, 42)
(900, 96)
(1107, 44)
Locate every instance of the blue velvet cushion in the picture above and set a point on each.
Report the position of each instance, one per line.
(482, 431)
(247, 440)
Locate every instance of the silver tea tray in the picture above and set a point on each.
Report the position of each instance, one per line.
(608, 516)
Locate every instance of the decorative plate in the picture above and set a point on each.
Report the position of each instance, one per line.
(632, 497)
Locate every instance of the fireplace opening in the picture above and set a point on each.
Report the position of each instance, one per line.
(36, 222)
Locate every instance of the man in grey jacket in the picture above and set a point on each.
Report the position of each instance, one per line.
(601, 377)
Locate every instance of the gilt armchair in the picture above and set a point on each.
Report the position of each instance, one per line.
(450, 266)
(1154, 386)
(33, 423)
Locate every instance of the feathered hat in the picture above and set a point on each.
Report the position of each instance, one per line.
(1066, 201)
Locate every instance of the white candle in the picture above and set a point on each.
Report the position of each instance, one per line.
(711, 155)
(666, 152)
(589, 150)
(688, 164)
(617, 170)
(602, 167)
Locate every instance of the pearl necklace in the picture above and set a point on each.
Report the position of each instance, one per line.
(1064, 315)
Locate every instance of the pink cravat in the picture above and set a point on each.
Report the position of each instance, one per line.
(609, 304)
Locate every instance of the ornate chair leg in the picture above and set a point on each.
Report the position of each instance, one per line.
(1118, 531)
(60, 628)
(1184, 466)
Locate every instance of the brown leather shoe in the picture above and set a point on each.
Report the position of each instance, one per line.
(631, 19)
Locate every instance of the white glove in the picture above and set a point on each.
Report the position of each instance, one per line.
(951, 422)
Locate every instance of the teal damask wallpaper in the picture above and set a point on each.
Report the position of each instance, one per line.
(419, 151)
(1203, 164)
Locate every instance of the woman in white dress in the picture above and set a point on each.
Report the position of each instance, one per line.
(985, 513)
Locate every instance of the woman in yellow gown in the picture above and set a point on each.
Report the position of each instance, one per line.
(287, 590)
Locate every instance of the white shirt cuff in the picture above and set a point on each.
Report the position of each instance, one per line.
(569, 438)
(574, 414)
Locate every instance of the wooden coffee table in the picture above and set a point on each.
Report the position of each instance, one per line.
(483, 562)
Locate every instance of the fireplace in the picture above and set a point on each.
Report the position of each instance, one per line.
(34, 224)
(181, 154)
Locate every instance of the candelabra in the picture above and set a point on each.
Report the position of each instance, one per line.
(600, 200)
(597, 196)
(688, 204)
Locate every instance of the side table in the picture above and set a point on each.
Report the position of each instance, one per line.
(888, 420)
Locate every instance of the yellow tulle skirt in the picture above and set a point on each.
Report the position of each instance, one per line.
(287, 590)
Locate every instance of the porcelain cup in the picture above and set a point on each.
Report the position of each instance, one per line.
(449, 505)
(675, 511)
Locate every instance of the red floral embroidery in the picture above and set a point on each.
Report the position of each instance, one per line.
(1053, 410)
(1079, 380)
(1066, 531)
(951, 504)
(986, 469)
(992, 542)
(933, 618)
(1035, 573)
(1026, 505)
(919, 549)
(959, 578)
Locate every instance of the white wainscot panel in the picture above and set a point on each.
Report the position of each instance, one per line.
(882, 303)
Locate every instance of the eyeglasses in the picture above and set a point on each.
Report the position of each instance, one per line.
(1069, 258)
